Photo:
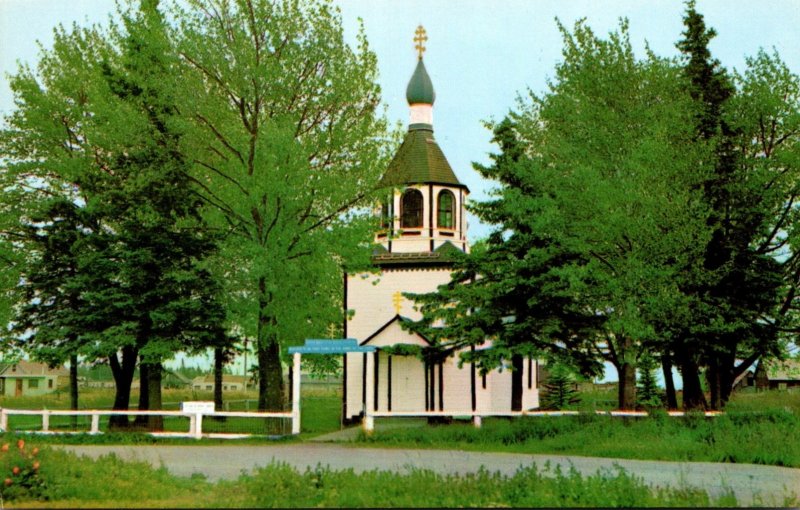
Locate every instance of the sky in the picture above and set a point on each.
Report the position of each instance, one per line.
(481, 54)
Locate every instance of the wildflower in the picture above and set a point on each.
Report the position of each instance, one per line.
(36, 465)
(15, 470)
(21, 444)
(35, 451)
(4, 447)
(8, 482)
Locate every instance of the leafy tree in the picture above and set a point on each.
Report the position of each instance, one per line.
(598, 270)
(101, 124)
(286, 142)
(736, 292)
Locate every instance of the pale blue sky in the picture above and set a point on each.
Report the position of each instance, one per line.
(481, 53)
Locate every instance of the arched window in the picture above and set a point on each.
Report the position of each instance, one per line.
(411, 209)
(446, 217)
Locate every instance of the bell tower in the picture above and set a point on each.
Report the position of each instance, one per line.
(425, 210)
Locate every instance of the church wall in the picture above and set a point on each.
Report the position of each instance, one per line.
(371, 296)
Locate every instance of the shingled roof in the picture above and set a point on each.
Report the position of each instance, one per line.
(419, 160)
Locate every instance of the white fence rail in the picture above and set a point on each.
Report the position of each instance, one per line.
(477, 416)
(195, 428)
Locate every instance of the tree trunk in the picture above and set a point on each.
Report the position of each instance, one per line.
(713, 379)
(219, 363)
(73, 387)
(517, 364)
(728, 373)
(669, 383)
(268, 350)
(693, 397)
(144, 393)
(154, 375)
(270, 383)
(123, 377)
(627, 386)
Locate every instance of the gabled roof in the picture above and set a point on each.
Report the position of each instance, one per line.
(396, 318)
(419, 160)
(788, 370)
(24, 368)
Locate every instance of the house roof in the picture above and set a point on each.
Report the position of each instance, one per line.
(25, 368)
(788, 370)
(226, 378)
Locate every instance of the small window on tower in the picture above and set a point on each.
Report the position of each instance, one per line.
(411, 209)
(446, 211)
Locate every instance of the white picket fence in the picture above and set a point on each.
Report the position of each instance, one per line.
(195, 418)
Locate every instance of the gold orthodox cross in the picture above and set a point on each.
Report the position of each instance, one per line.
(397, 300)
(420, 36)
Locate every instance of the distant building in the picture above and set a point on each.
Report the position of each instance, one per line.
(27, 378)
(229, 382)
(777, 375)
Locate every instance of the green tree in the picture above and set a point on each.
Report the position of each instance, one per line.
(559, 390)
(101, 129)
(648, 394)
(605, 191)
(736, 292)
(286, 143)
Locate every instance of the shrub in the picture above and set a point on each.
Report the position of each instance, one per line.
(19, 471)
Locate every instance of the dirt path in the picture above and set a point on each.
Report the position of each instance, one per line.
(752, 484)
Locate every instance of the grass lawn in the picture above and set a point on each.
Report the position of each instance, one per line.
(61, 480)
(759, 428)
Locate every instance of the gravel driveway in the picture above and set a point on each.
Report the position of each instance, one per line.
(762, 485)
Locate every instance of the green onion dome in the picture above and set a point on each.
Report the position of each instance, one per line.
(420, 88)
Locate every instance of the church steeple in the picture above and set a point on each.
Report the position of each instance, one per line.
(426, 211)
(419, 93)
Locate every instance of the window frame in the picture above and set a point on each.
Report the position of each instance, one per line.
(452, 210)
(419, 212)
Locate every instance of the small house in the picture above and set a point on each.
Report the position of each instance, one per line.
(28, 378)
(777, 375)
(229, 383)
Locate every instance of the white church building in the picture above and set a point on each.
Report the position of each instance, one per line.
(423, 221)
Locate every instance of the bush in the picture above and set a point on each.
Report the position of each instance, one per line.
(19, 471)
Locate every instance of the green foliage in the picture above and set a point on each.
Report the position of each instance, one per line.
(19, 470)
(559, 389)
(766, 436)
(288, 144)
(109, 481)
(648, 394)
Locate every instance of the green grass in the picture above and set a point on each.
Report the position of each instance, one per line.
(761, 428)
(64, 480)
(321, 412)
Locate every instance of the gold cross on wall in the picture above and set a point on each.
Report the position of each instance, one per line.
(397, 301)
(420, 36)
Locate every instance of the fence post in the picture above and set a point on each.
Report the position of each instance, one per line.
(95, 424)
(198, 426)
(3, 420)
(477, 421)
(369, 420)
(45, 420)
(296, 393)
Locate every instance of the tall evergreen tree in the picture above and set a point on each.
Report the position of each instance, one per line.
(738, 284)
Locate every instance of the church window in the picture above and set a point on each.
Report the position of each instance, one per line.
(446, 211)
(411, 209)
